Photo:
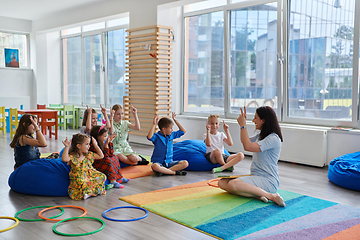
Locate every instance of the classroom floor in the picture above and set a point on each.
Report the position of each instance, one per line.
(311, 181)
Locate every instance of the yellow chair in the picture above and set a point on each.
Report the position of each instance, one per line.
(14, 121)
(67, 113)
(2, 120)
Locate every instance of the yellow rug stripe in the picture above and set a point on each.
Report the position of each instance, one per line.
(166, 196)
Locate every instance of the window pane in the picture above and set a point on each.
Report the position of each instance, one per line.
(14, 41)
(253, 68)
(117, 22)
(204, 63)
(116, 66)
(94, 26)
(94, 81)
(320, 59)
(72, 70)
(204, 5)
(71, 31)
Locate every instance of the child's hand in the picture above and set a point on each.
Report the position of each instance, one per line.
(34, 123)
(112, 113)
(133, 110)
(103, 110)
(94, 142)
(174, 116)
(67, 142)
(156, 119)
(207, 126)
(88, 109)
(226, 127)
(111, 137)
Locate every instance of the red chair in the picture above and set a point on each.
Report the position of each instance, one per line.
(39, 106)
(49, 120)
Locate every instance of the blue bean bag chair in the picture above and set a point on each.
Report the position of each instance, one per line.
(193, 151)
(344, 171)
(46, 177)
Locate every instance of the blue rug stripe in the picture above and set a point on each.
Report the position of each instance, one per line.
(251, 206)
(246, 223)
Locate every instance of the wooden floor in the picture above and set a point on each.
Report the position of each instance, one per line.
(306, 180)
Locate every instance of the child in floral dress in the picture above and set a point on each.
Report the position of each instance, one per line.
(85, 181)
(109, 165)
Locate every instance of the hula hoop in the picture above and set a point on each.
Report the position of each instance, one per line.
(40, 219)
(64, 206)
(11, 227)
(126, 220)
(210, 182)
(78, 234)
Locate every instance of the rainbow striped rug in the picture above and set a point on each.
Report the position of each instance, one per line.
(226, 216)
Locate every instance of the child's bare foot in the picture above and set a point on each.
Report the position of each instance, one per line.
(278, 200)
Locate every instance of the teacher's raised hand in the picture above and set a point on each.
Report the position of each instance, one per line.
(242, 117)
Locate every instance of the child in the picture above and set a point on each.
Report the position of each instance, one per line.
(25, 146)
(214, 141)
(85, 181)
(162, 156)
(121, 127)
(109, 165)
(90, 119)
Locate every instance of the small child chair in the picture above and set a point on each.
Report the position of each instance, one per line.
(2, 120)
(14, 121)
(67, 113)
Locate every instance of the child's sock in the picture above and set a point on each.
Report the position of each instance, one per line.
(109, 186)
(124, 180)
(230, 169)
(217, 170)
(181, 173)
(117, 185)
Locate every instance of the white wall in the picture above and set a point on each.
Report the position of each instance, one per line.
(45, 61)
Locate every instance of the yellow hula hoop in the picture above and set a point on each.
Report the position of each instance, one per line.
(12, 218)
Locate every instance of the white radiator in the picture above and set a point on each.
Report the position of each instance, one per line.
(309, 146)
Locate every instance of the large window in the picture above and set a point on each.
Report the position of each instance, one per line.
(241, 54)
(15, 41)
(204, 63)
(94, 64)
(253, 70)
(72, 70)
(321, 36)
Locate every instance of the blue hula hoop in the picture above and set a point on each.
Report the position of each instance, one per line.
(126, 220)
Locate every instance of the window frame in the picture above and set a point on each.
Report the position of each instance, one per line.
(104, 48)
(283, 16)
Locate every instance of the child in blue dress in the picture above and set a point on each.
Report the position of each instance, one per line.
(24, 144)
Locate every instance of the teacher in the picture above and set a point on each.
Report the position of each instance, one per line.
(266, 146)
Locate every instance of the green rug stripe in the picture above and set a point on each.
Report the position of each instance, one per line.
(197, 210)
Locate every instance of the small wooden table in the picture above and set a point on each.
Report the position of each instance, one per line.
(40, 115)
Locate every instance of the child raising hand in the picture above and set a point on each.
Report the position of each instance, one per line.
(214, 141)
(85, 181)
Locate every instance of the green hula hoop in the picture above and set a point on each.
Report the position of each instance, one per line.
(40, 219)
(78, 234)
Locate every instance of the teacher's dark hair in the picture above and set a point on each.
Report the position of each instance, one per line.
(271, 124)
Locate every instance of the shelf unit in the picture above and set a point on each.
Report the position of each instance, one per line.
(148, 70)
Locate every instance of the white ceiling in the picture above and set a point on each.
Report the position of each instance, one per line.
(35, 9)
